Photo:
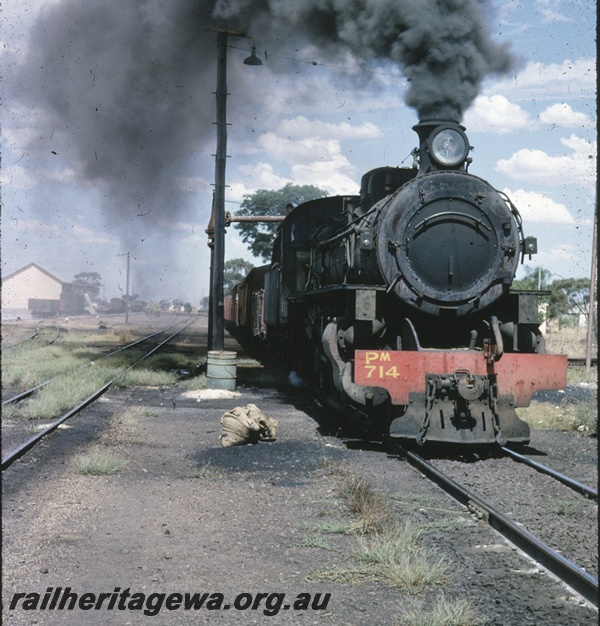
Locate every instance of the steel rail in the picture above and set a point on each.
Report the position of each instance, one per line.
(28, 392)
(576, 360)
(18, 452)
(570, 573)
(35, 334)
(544, 469)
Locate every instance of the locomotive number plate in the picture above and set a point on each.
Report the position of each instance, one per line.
(377, 365)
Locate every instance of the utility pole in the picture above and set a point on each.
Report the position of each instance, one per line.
(126, 289)
(590, 329)
(216, 315)
(127, 294)
(217, 308)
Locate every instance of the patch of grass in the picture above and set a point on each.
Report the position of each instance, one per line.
(567, 507)
(33, 429)
(416, 570)
(192, 384)
(397, 558)
(388, 548)
(444, 611)
(316, 541)
(412, 571)
(99, 464)
(332, 528)
(586, 413)
(27, 367)
(445, 525)
(143, 377)
(343, 575)
(208, 471)
(577, 374)
(373, 512)
(65, 392)
(579, 416)
(9, 411)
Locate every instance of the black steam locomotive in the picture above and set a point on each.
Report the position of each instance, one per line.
(396, 303)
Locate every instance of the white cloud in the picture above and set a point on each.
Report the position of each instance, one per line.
(301, 126)
(258, 176)
(261, 176)
(16, 177)
(569, 79)
(550, 11)
(562, 114)
(313, 151)
(85, 235)
(80, 234)
(327, 175)
(496, 114)
(538, 167)
(314, 160)
(535, 207)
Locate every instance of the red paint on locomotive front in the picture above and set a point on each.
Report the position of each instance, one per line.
(403, 372)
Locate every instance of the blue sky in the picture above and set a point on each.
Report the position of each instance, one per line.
(321, 121)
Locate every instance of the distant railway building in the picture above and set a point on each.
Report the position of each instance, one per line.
(33, 290)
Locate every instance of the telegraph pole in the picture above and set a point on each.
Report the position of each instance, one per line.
(216, 315)
(127, 294)
(126, 289)
(590, 329)
(217, 308)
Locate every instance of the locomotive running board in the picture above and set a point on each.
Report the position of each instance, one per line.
(403, 372)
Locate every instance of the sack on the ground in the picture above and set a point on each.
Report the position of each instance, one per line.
(242, 425)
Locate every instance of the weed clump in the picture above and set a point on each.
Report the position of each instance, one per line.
(99, 464)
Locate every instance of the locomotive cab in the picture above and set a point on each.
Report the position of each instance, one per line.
(290, 267)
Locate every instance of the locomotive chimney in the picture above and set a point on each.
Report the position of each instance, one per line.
(442, 145)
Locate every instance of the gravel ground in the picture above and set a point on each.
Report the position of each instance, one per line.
(565, 520)
(185, 516)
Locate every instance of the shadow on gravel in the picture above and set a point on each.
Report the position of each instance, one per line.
(331, 423)
(286, 463)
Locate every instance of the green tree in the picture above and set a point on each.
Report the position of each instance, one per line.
(88, 282)
(260, 236)
(535, 278)
(568, 296)
(234, 271)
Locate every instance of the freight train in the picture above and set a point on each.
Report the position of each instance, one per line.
(396, 304)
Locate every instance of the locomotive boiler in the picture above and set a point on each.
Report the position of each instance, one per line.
(396, 303)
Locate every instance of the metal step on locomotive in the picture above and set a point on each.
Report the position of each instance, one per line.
(397, 303)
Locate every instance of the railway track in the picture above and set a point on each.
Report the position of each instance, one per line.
(30, 443)
(28, 392)
(571, 574)
(36, 335)
(581, 361)
(576, 485)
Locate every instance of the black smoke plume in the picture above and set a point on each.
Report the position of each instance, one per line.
(444, 47)
(131, 82)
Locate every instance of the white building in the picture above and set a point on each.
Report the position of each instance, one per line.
(32, 281)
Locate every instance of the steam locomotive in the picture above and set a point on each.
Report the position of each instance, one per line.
(396, 304)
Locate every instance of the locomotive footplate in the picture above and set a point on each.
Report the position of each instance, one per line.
(456, 396)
